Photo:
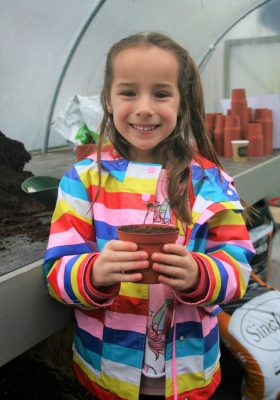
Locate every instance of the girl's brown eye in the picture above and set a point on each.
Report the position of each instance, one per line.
(128, 93)
(162, 95)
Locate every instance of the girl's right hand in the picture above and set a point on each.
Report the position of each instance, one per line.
(116, 264)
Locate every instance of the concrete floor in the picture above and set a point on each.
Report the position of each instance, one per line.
(56, 163)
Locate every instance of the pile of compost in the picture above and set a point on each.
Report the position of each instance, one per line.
(44, 372)
(24, 221)
(19, 214)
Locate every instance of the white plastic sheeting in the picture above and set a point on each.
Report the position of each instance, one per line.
(47, 55)
(248, 56)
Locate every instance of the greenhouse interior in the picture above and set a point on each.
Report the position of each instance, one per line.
(53, 60)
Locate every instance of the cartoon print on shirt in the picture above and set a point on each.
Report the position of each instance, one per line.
(157, 331)
(161, 212)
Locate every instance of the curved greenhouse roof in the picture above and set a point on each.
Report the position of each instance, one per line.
(51, 50)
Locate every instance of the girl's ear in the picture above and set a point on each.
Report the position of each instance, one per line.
(180, 110)
(109, 106)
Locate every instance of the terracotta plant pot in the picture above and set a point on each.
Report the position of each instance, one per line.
(239, 107)
(263, 116)
(210, 123)
(238, 94)
(262, 113)
(232, 131)
(84, 150)
(250, 114)
(218, 135)
(255, 137)
(151, 238)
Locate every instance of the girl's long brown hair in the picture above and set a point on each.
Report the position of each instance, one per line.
(177, 150)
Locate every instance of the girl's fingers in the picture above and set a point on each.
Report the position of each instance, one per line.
(130, 277)
(120, 245)
(173, 248)
(124, 256)
(168, 270)
(129, 267)
(169, 259)
(168, 280)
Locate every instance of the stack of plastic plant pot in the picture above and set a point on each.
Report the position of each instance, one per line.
(232, 131)
(264, 117)
(239, 108)
(218, 134)
(210, 123)
(255, 137)
(241, 123)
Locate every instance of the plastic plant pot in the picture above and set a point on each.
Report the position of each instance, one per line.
(262, 113)
(255, 138)
(239, 107)
(43, 189)
(238, 94)
(263, 116)
(218, 135)
(151, 238)
(84, 150)
(210, 123)
(232, 131)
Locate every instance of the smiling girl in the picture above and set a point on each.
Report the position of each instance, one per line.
(133, 340)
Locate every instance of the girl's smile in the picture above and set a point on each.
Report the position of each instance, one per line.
(144, 97)
(144, 128)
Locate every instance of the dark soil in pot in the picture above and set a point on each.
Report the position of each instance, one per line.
(148, 229)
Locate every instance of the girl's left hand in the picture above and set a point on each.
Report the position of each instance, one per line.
(177, 267)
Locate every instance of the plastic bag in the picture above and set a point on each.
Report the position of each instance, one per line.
(252, 336)
(79, 121)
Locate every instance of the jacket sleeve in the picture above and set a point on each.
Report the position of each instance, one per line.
(218, 237)
(224, 247)
(72, 248)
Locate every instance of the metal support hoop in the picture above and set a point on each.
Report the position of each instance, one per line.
(212, 47)
(64, 69)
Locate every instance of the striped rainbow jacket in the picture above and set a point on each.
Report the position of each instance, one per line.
(109, 341)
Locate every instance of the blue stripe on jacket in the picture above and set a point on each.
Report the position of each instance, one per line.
(57, 252)
(211, 339)
(121, 355)
(86, 345)
(105, 231)
(74, 188)
(123, 338)
(67, 279)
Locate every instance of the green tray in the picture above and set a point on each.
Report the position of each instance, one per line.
(43, 189)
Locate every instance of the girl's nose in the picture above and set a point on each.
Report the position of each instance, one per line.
(144, 106)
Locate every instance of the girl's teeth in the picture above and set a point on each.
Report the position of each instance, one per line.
(144, 128)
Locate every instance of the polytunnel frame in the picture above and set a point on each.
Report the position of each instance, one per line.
(211, 48)
(64, 70)
(201, 64)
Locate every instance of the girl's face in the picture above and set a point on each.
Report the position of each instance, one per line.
(144, 98)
